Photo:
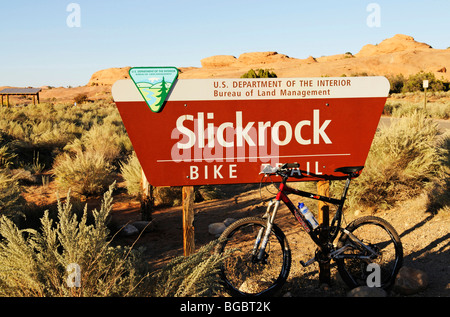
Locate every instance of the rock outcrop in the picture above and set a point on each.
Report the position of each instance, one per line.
(397, 43)
(108, 77)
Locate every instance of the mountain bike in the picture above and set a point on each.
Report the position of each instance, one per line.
(258, 257)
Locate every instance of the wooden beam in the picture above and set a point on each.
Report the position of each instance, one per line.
(323, 189)
(147, 199)
(188, 220)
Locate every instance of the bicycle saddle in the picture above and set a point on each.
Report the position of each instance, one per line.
(349, 169)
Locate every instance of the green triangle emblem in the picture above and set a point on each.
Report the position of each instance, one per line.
(154, 84)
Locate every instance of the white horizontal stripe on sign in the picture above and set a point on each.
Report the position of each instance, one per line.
(263, 88)
(248, 157)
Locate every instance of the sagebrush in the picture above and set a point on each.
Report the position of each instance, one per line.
(85, 173)
(405, 159)
(34, 262)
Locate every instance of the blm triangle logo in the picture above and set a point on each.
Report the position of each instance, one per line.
(154, 84)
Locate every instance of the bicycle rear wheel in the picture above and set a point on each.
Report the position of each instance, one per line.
(357, 266)
(242, 273)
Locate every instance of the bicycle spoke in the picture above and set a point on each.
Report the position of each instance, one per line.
(243, 271)
(373, 257)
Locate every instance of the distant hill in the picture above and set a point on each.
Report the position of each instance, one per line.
(400, 54)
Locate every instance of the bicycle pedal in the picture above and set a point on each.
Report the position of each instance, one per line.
(311, 261)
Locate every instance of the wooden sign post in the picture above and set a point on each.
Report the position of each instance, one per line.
(425, 86)
(188, 220)
(147, 199)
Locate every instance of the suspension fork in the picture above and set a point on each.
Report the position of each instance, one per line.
(263, 235)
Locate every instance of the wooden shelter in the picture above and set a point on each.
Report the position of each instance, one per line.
(20, 92)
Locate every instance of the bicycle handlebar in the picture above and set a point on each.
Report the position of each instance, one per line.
(350, 171)
(268, 169)
(290, 165)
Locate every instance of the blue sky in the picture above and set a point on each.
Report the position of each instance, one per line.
(38, 47)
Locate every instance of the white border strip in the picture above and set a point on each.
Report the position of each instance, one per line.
(263, 89)
(225, 159)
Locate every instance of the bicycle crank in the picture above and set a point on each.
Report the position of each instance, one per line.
(309, 262)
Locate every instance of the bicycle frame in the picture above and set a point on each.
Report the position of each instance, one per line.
(321, 235)
(353, 251)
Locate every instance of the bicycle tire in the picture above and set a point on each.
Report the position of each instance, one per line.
(355, 272)
(241, 275)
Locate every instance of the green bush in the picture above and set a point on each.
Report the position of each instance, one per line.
(259, 73)
(399, 83)
(415, 82)
(81, 98)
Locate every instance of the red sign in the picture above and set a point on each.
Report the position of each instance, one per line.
(224, 131)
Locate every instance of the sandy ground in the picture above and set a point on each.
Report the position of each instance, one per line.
(425, 237)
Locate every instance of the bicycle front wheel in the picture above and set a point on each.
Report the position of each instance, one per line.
(360, 267)
(242, 272)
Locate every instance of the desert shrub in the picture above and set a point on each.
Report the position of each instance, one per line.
(396, 83)
(48, 128)
(11, 200)
(404, 159)
(259, 73)
(168, 196)
(439, 195)
(85, 173)
(6, 157)
(80, 99)
(207, 192)
(415, 82)
(401, 108)
(35, 262)
(100, 139)
(193, 276)
(132, 173)
(401, 84)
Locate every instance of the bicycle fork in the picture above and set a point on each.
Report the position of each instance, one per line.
(263, 235)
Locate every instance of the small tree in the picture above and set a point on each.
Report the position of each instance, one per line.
(259, 73)
(397, 82)
(415, 82)
(162, 92)
(80, 99)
